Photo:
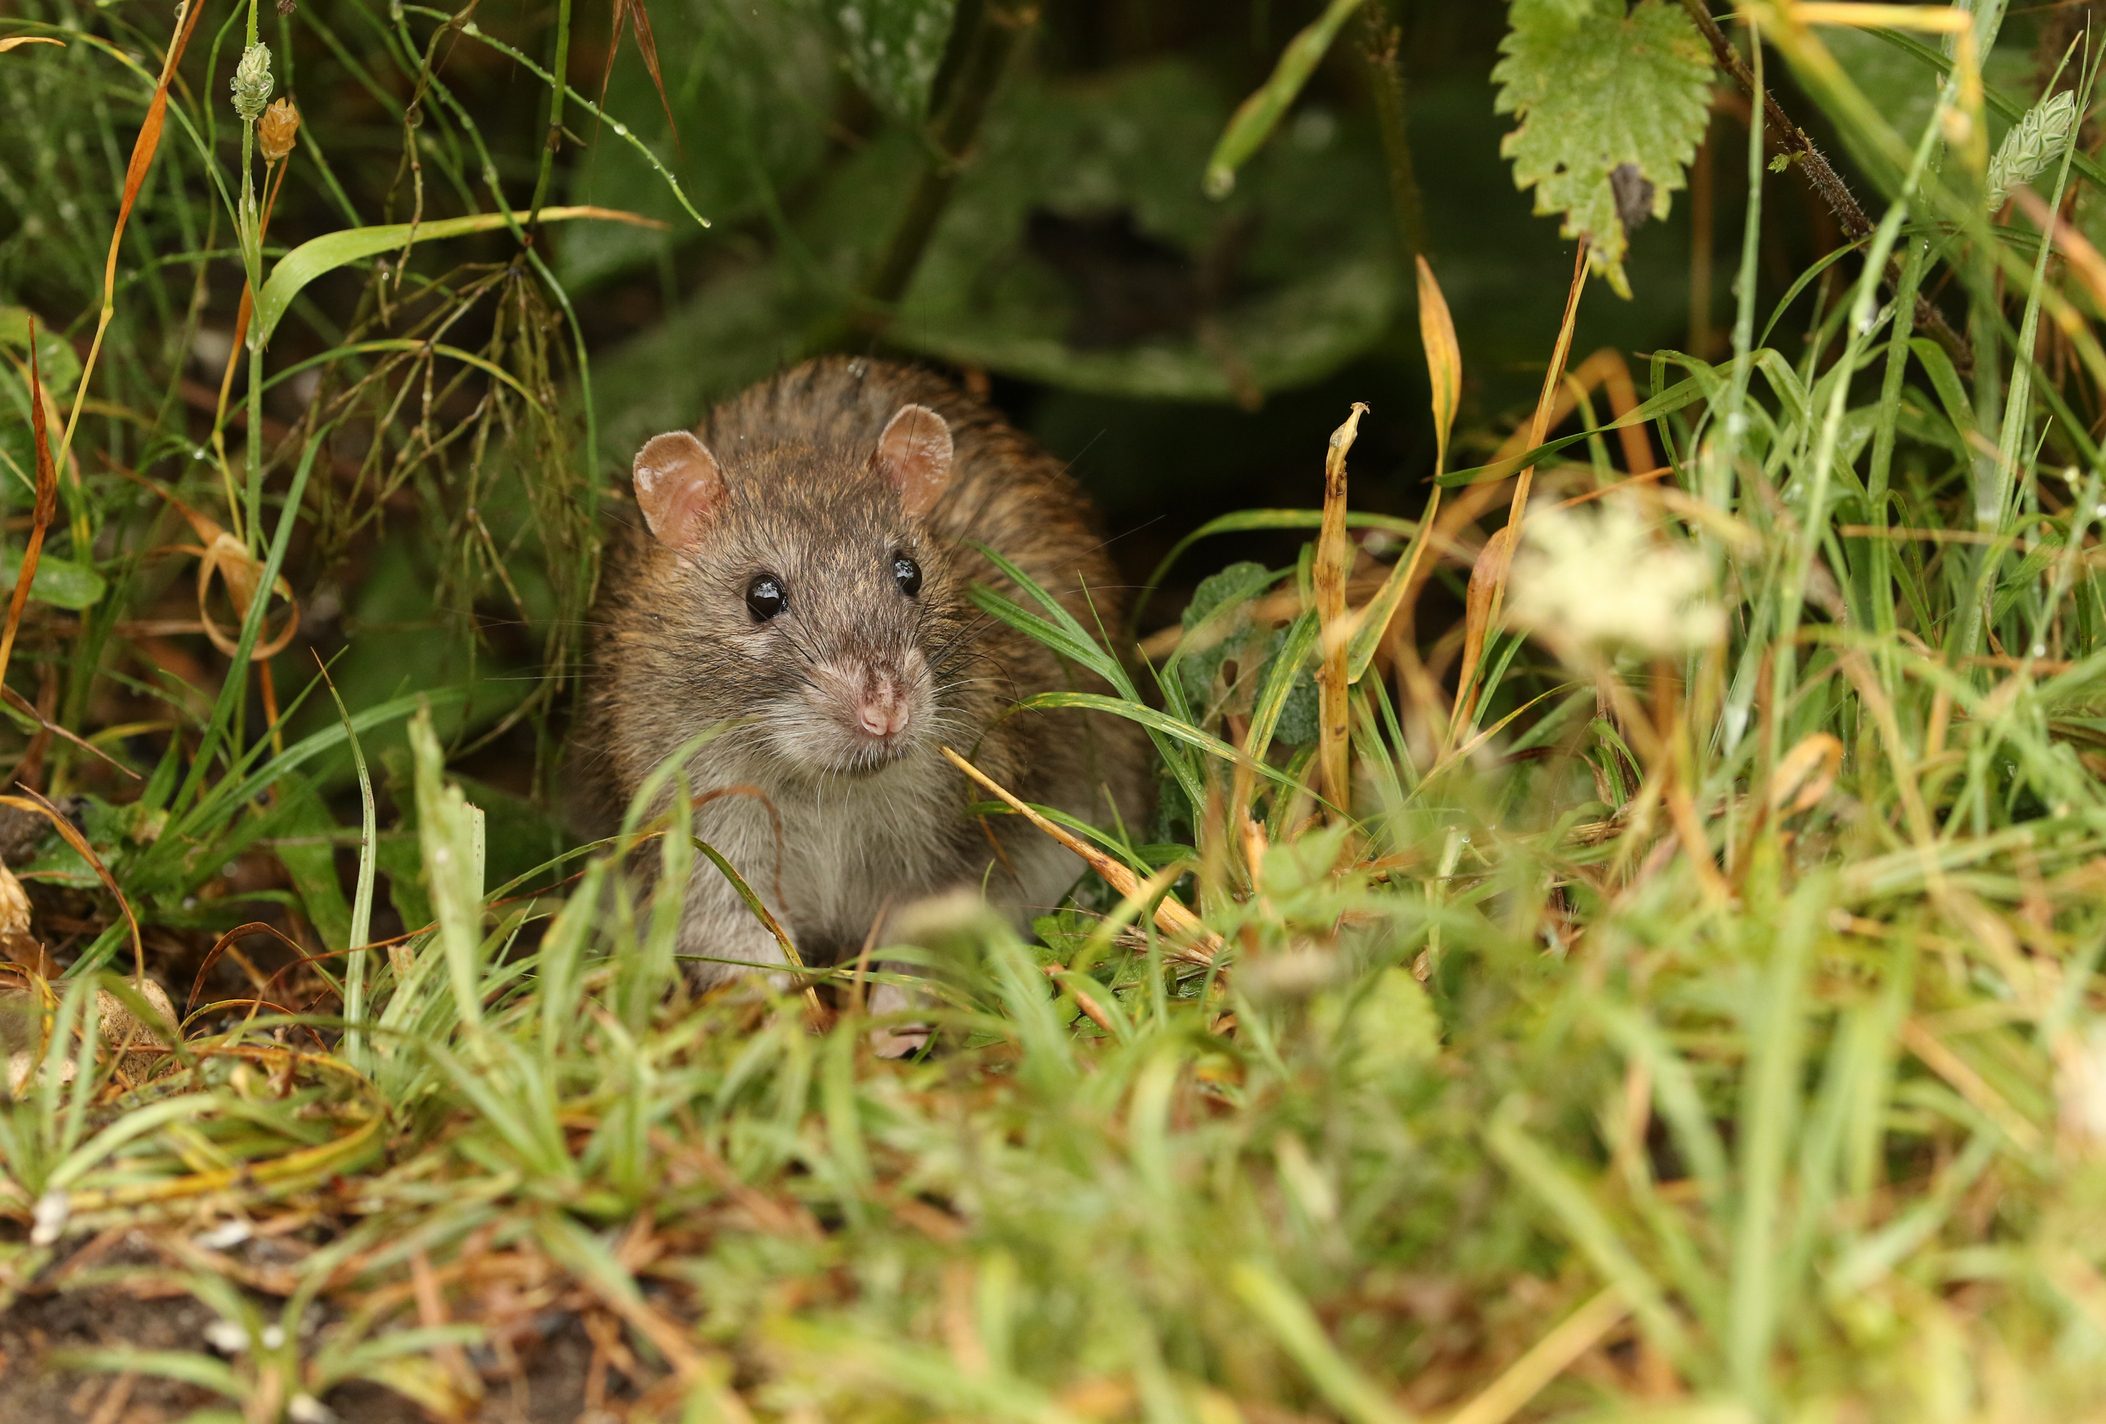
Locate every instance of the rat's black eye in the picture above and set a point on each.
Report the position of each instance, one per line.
(766, 597)
(908, 573)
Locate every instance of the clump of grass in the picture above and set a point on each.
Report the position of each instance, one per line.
(1689, 1020)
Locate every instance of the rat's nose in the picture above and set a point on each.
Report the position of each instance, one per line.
(882, 709)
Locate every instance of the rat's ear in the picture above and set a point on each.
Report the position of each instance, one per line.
(678, 487)
(914, 453)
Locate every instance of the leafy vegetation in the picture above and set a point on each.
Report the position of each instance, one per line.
(1620, 935)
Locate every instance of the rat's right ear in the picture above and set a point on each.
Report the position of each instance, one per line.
(914, 453)
(678, 488)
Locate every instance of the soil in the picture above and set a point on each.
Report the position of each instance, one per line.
(544, 1384)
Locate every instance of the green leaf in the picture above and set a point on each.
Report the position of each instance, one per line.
(59, 582)
(749, 100)
(1256, 117)
(317, 256)
(58, 365)
(735, 329)
(894, 48)
(1597, 89)
(1297, 725)
(1078, 252)
(1395, 1030)
(451, 834)
(1221, 622)
(1287, 1318)
(1238, 583)
(307, 850)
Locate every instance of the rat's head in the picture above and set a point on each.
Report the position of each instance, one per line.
(814, 602)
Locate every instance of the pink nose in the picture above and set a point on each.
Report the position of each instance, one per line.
(882, 711)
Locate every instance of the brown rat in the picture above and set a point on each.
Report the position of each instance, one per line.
(804, 584)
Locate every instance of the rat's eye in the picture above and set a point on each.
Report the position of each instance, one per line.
(766, 597)
(908, 573)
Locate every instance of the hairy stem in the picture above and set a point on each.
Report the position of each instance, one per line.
(1386, 83)
(1820, 175)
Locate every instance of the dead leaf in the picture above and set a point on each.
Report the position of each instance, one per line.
(1334, 565)
(1806, 774)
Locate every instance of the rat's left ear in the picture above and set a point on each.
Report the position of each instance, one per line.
(914, 453)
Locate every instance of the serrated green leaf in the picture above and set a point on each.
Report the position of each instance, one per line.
(1234, 584)
(1597, 89)
(1217, 614)
(894, 48)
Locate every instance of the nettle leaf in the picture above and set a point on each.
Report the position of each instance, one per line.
(894, 48)
(1217, 622)
(1601, 91)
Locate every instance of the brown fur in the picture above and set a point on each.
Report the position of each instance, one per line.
(680, 654)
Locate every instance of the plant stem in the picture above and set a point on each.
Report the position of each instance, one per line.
(998, 27)
(559, 71)
(1385, 78)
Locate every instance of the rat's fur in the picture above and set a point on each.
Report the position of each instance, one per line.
(828, 836)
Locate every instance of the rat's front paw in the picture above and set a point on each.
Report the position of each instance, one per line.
(903, 1041)
(897, 1040)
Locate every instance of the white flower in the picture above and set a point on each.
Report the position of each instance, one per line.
(226, 1235)
(1595, 576)
(48, 1222)
(225, 1337)
(2080, 1090)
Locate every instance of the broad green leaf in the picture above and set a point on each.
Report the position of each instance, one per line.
(58, 582)
(1388, 1030)
(58, 364)
(1597, 89)
(734, 330)
(749, 98)
(1077, 251)
(894, 48)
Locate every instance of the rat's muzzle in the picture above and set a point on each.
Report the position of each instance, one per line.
(882, 710)
(860, 713)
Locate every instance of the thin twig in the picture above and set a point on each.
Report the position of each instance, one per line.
(1820, 175)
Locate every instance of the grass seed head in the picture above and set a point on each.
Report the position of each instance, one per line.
(278, 130)
(252, 82)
